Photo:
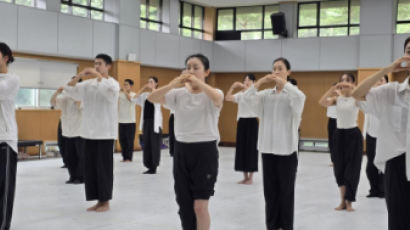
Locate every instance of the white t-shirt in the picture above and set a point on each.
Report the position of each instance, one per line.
(70, 115)
(100, 107)
(244, 108)
(196, 116)
(126, 109)
(9, 87)
(347, 112)
(331, 112)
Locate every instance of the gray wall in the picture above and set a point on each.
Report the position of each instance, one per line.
(51, 33)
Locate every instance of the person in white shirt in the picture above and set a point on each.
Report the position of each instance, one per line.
(197, 106)
(9, 87)
(390, 104)
(99, 128)
(280, 111)
(246, 154)
(126, 120)
(150, 125)
(348, 141)
(71, 131)
(370, 133)
(331, 125)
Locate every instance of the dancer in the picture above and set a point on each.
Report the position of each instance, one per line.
(348, 142)
(197, 106)
(99, 128)
(150, 125)
(126, 120)
(246, 157)
(280, 111)
(390, 105)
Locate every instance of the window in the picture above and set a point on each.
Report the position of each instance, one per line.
(191, 22)
(151, 15)
(252, 22)
(329, 18)
(93, 9)
(32, 97)
(32, 3)
(403, 17)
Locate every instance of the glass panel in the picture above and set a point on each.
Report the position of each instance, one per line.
(97, 15)
(197, 35)
(65, 9)
(333, 13)
(355, 12)
(80, 11)
(26, 97)
(308, 14)
(143, 24)
(249, 18)
(251, 35)
(97, 4)
(154, 10)
(332, 32)
(153, 26)
(81, 2)
(186, 32)
(45, 96)
(268, 11)
(403, 28)
(403, 10)
(225, 19)
(143, 9)
(354, 30)
(303, 33)
(187, 15)
(269, 35)
(198, 19)
(9, 1)
(25, 2)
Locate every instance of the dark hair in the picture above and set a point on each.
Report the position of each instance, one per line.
(201, 57)
(6, 52)
(80, 80)
(107, 59)
(386, 78)
(155, 79)
(350, 75)
(131, 82)
(251, 77)
(292, 81)
(284, 60)
(405, 43)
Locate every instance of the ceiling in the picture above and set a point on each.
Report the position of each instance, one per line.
(227, 3)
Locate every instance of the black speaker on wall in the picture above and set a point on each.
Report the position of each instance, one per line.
(279, 24)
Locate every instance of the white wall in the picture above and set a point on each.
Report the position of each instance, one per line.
(51, 33)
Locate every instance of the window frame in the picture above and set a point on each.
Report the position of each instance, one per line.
(35, 4)
(36, 98)
(192, 28)
(318, 26)
(147, 20)
(89, 8)
(398, 22)
(262, 30)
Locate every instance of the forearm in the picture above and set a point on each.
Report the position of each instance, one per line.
(229, 95)
(53, 100)
(324, 99)
(212, 93)
(158, 96)
(361, 91)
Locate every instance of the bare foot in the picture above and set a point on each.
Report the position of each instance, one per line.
(342, 206)
(349, 207)
(242, 181)
(248, 182)
(103, 207)
(92, 208)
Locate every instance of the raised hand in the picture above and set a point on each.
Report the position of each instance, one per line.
(400, 64)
